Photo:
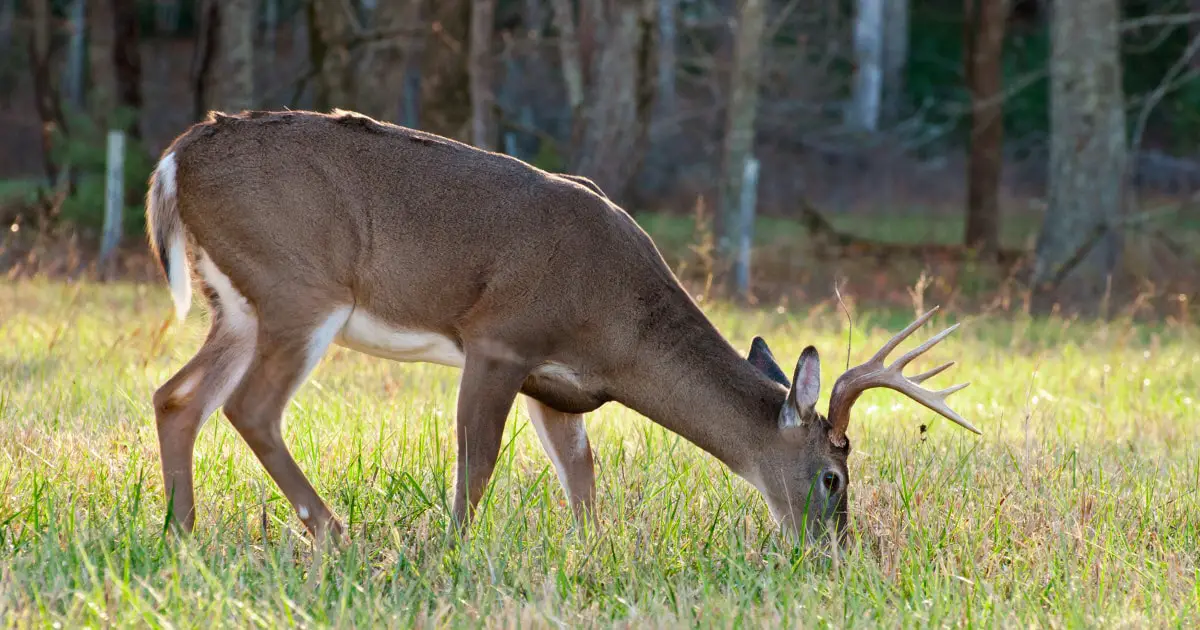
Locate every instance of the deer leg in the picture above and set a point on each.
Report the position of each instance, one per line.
(564, 437)
(184, 403)
(486, 393)
(283, 361)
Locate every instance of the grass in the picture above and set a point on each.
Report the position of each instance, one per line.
(1077, 507)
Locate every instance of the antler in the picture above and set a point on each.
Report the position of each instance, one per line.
(873, 374)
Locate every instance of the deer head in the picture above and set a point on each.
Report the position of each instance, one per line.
(804, 477)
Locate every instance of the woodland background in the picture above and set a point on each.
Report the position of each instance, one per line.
(1029, 150)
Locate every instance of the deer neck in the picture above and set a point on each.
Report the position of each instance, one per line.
(688, 379)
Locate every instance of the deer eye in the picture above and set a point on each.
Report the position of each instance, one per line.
(832, 481)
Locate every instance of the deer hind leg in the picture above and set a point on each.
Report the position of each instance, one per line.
(285, 357)
(564, 437)
(184, 403)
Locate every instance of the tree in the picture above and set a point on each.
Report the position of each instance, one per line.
(46, 97)
(480, 70)
(895, 58)
(1079, 244)
(386, 62)
(611, 89)
(445, 83)
(984, 46)
(330, 32)
(127, 60)
(102, 95)
(223, 69)
(741, 113)
(868, 57)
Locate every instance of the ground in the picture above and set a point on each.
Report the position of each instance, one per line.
(1077, 505)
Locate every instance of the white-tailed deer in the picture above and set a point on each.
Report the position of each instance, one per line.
(310, 229)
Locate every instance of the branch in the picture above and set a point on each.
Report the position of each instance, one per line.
(1171, 19)
(1159, 93)
(1101, 229)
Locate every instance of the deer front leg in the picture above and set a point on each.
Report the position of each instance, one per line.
(486, 393)
(564, 437)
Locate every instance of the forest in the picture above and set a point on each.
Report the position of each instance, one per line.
(952, 110)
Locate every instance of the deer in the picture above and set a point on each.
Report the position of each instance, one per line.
(305, 230)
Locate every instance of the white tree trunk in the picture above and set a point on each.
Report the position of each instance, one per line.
(868, 55)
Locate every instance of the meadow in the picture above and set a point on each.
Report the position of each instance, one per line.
(1077, 507)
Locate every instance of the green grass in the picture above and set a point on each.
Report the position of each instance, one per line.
(1077, 507)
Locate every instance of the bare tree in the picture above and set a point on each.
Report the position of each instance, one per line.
(102, 95)
(387, 61)
(1079, 244)
(445, 84)
(895, 57)
(571, 56)
(612, 90)
(127, 60)
(483, 14)
(743, 107)
(223, 67)
(667, 44)
(330, 31)
(984, 47)
(45, 91)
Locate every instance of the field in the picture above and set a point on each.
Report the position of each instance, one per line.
(1077, 507)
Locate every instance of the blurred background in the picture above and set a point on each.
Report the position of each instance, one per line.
(1013, 154)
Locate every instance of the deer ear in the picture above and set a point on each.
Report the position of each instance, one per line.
(760, 357)
(806, 386)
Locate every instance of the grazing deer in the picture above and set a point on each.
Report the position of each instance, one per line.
(310, 229)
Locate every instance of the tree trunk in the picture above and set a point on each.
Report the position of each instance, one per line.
(895, 58)
(868, 55)
(743, 107)
(236, 54)
(127, 60)
(330, 32)
(45, 95)
(984, 48)
(224, 63)
(381, 88)
(615, 112)
(571, 57)
(1079, 244)
(204, 55)
(667, 44)
(102, 44)
(445, 84)
(480, 70)
(10, 67)
(73, 72)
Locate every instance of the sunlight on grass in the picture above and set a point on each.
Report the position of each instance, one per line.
(1078, 505)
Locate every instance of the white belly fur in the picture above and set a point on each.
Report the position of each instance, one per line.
(368, 334)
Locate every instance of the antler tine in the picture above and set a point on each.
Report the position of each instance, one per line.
(932, 400)
(924, 376)
(873, 374)
(907, 358)
(900, 337)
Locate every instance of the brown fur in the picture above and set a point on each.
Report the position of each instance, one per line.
(305, 212)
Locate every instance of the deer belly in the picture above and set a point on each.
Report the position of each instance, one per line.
(368, 334)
